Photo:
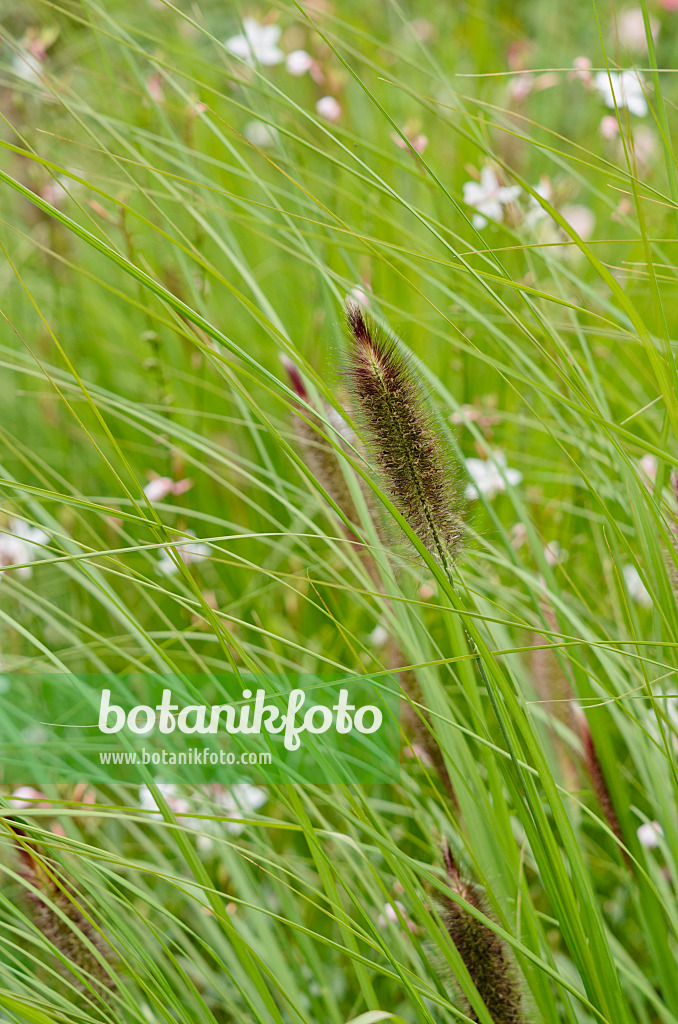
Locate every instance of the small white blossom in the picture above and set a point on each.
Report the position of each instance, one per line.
(609, 127)
(260, 134)
(624, 86)
(378, 636)
(25, 796)
(241, 799)
(329, 108)
(257, 44)
(631, 29)
(188, 551)
(360, 295)
(489, 197)
(298, 62)
(20, 546)
(27, 67)
(637, 590)
(649, 833)
(160, 486)
(490, 476)
(648, 468)
(554, 554)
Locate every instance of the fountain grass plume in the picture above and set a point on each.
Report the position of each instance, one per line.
(484, 953)
(399, 431)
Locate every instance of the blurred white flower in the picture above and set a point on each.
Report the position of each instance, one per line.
(27, 67)
(490, 476)
(160, 486)
(19, 546)
(581, 219)
(329, 108)
(554, 554)
(648, 834)
(630, 29)
(261, 135)
(488, 196)
(535, 211)
(25, 796)
(581, 68)
(637, 590)
(648, 468)
(417, 141)
(188, 551)
(609, 127)
(624, 86)
(378, 636)
(360, 295)
(298, 62)
(241, 799)
(391, 914)
(257, 44)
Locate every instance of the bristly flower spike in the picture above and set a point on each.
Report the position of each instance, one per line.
(484, 953)
(399, 430)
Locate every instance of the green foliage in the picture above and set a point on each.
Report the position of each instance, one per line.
(176, 221)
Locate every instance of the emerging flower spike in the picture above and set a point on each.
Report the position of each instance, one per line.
(400, 433)
(483, 952)
(73, 937)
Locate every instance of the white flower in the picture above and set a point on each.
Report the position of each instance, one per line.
(188, 551)
(27, 67)
(261, 135)
(581, 219)
(648, 468)
(160, 486)
(649, 833)
(609, 127)
(554, 554)
(631, 29)
(488, 196)
(637, 590)
(624, 86)
(490, 476)
(241, 799)
(378, 636)
(257, 44)
(25, 796)
(20, 546)
(329, 108)
(360, 295)
(298, 62)
(535, 211)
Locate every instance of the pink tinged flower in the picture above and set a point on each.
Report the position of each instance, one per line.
(418, 142)
(359, 295)
(298, 62)
(260, 134)
(19, 546)
(554, 554)
(390, 914)
(626, 87)
(637, 590)
(189, 551)
(26, 796)
(669, 5)
(161, 486)
(648, 469)
(329, 108)
(649, 834)
(581, 219)
(257, 44)
(582, 69)
(631, 30)
(154, 88)
(609, 127)
(489, 197)
(490, 476)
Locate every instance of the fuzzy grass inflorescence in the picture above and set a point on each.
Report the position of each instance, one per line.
(399, 431)
(483, 952)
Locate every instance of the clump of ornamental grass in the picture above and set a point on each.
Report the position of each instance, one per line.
(485, 955)
(398, 429)
(55, 913)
